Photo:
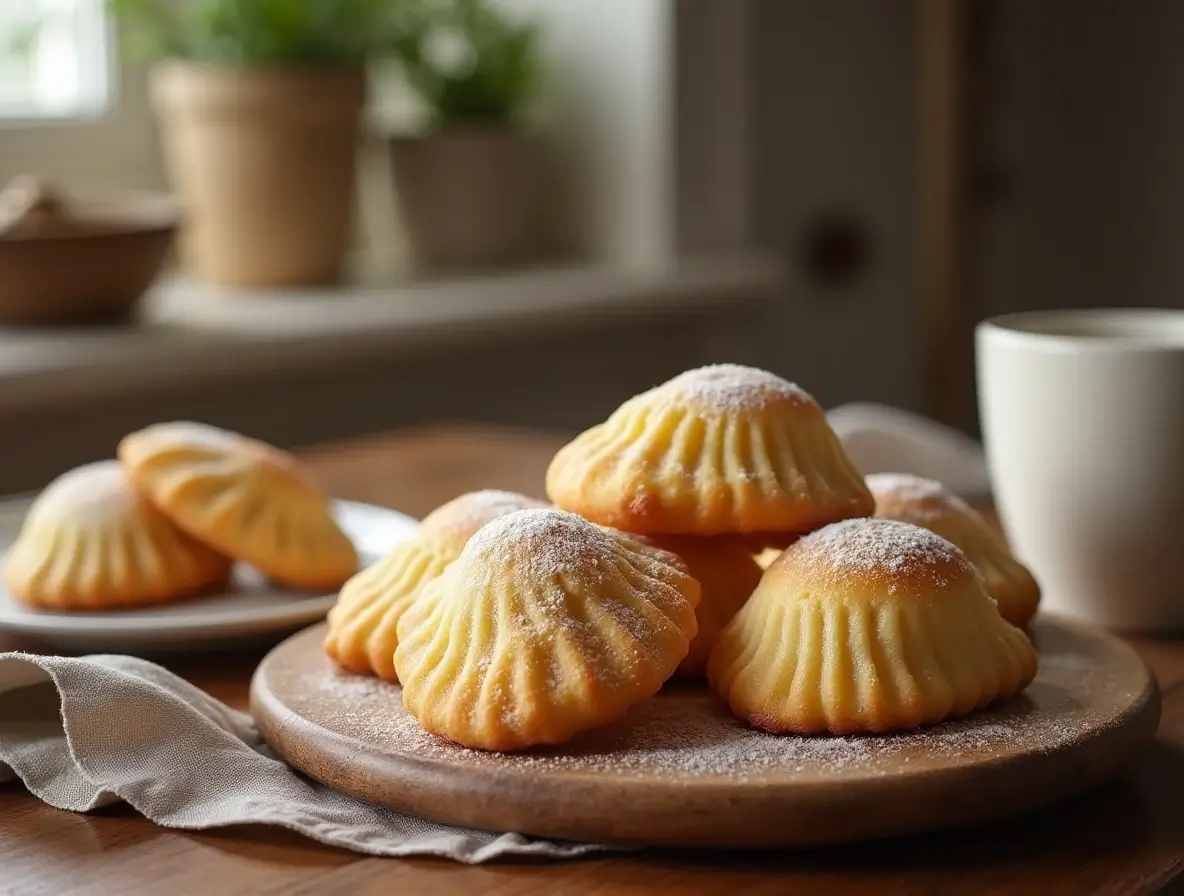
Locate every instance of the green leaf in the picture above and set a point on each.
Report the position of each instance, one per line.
(259, 33)
(506, 69)
(503, 78)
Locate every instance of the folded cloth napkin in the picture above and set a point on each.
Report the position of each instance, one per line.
(90, 731)
(882, 439)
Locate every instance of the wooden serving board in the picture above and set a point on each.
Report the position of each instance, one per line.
(680, 771)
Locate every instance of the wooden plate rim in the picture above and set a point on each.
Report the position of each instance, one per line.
(449, 783)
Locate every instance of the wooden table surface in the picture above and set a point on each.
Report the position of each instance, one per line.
(1127, 837)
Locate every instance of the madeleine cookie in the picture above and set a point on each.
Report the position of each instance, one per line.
(244, 498)
(727, 574)
(91, 542)
(722, 449)
(546, 625)
(927, 503)
(363, 623)
(868, 626)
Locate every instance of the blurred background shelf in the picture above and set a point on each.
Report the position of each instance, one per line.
(546, 348)
(836, 191)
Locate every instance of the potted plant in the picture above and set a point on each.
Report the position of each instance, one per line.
(466, 187)
(259, 103)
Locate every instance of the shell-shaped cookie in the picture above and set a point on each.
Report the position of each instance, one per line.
(244, 498)
(720, 449)
(927, 503)
(91, 542)
(545, 626)
(363, 624)
(727, 574)
(868, 626)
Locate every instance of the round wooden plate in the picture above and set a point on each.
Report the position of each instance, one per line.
(680, 771)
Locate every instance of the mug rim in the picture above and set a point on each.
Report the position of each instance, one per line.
(1030, 328)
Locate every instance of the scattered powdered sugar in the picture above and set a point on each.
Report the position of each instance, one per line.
(346, 686)
(732, 387)
(687, 731)
(541, 544)
(919, 498)
(1075, 662)
(881, 550)
(908, 487)
(465, 514)
(92, 495)
(551, 577)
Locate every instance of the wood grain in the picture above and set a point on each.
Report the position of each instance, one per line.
(1093, 705)
(1124, 837)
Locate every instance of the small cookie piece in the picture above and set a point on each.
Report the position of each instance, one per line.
(244, 498)
(764, 559)
(545, 626)
(363, 624)
(868, 626)
(91, 542)
(727, 574)
(928, 503)
(722, 449)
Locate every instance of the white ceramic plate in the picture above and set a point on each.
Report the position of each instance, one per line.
(253, 608)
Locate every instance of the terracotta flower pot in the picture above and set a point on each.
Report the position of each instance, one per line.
(264, 162)
(468, 198)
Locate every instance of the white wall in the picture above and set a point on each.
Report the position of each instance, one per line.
(607, 105)
(118, 151)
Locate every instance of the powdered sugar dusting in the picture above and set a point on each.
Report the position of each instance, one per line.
(550, 571)
(540, 544)
(912, 497)
(463, 516)
(1070, 662)
(361, 689)
(688, 732)
(93, 495)
(885, 551)
(732, 387)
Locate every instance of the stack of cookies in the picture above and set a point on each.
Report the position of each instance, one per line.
(710, 464)
(169, 518)
(511, 624)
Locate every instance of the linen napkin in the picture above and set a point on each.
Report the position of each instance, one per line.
(86, 732)
(90, 731)
(882, 439)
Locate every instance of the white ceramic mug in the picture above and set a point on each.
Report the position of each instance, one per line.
(1083, 423)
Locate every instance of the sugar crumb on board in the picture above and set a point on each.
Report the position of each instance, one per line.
(691, 734)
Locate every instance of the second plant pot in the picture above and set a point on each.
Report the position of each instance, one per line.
(468, 198)
(264, 162)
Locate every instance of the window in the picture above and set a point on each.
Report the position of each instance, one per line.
(55, 59)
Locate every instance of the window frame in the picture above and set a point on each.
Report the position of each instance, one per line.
(102, 71)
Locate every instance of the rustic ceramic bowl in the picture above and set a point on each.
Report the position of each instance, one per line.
(77, 260)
